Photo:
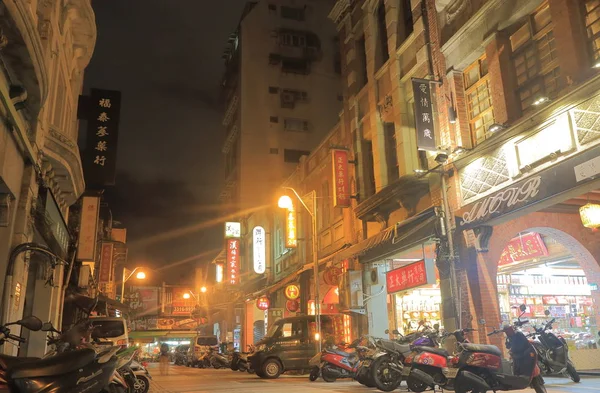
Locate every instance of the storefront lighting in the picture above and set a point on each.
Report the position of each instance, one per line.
(597, 65)
(496, 127)
(460, 150)
(451, 115)
(540, 101)
(590, 215)
(317, 336)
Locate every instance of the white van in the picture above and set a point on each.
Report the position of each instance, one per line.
(110, 331)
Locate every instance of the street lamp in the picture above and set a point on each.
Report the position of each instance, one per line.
(141, 275)
(285, 202)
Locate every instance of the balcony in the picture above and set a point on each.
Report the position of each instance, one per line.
(403, 193)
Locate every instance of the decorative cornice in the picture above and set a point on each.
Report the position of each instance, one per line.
(340, 10)
(83, 22)
(63, 154)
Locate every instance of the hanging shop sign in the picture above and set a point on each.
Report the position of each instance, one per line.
(263, 303)
(424, 115)
(410, 276)
(106, 263)
(142, 301)
(550, 182)
(292, 305)
(274, 314)
(233, 230)
(332, 275)
(341, 178)
(86, 247)
(291, 235)
(181, 304)
(292, 292)
(259, 249)
(233, 261)
(219, 272)
(522, 248)
(102, 111)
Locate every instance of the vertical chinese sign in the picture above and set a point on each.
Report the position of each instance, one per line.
(103, 109)
(259, 249)
(424, 115)
(105, 279)
(86, 247)
(341, 182)
(233, 260)
(291, 235)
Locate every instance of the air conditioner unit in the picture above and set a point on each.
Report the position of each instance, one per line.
(373, 277)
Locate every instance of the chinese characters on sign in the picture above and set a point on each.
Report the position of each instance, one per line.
(291, 236)
(522, 248)
(259, 249)
(100, 158)
(292, 292)
(424, 115)
(86, 249)
(263, 303)
(341, 182)
(106, 259)
(142, 300)
(406, 277)
(219, 272)
(233, 261)
(233, 229)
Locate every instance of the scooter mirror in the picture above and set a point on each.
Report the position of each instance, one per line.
(387, 331)
(436, 326)
(523, 308)
(395, 331)
(31, 322)
(547, 313)
(48, 327)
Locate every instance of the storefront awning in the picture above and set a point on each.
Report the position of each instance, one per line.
(145, 334)
(398, 237)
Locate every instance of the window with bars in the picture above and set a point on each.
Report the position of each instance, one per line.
(592, 24)
(535, 58)
(479, 100)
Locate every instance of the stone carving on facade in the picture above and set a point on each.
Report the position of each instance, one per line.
(586, 120)
(386, 105)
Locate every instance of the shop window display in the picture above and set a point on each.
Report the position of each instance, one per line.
(419, 305)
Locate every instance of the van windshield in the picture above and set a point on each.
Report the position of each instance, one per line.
(212, 341)
(108, 329)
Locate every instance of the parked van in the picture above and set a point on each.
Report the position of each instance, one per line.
(289, 345)
(200, 346)
(110, 331)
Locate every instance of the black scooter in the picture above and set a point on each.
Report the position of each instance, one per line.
(80, 371)
(553, 352)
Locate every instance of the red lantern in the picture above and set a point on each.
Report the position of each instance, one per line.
(263, 303)
(292, 305)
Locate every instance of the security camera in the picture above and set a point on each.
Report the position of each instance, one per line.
(441, 157)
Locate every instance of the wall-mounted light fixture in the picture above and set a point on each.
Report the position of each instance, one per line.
(541, 100)
(496, 127)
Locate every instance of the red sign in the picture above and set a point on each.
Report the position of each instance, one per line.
(233, 261)
(292, 305)
(106, 260)
(263, 303)
(292, 292)
(523, 248)
(406, 277)
(332, 275)
(341, 181)
(182, 301)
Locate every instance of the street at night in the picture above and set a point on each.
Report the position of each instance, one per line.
(188, 380)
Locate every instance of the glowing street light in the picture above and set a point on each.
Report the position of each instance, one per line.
(203, 289)
(140, 275)
(285, 202)
(186, 295)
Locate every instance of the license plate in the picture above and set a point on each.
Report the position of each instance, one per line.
(451, 373)
(405, 371)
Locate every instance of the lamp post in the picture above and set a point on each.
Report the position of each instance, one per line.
(285, 202)
(140, 276)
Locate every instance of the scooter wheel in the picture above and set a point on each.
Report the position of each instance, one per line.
(314, 374)
(573, 374)
(538, 385)
(141, 385)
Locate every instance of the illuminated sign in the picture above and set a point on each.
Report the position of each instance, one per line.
(341, 182)
(233, 261)
(263, 303)
(291, 236)
(233, 230)
(259, 250)
(219, 272)
(292, 292)
(292, 305)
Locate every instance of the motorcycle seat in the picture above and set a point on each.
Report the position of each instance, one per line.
(491, 349)
(437, 351)
(7, 362)
(394, 346)
(338, 352)
(56, 365)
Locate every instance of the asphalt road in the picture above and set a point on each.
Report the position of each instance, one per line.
(192, 380)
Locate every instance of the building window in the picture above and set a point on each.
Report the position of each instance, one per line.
(479, 100)
(289, 97)
(405, 21)
(369, 168)
(274, 119)
(272, 9)
(293, 156)
(273, 90)
(295, 66)
(295, 125)
(292, 39)
(292, 13)
(391, 156)
(325, 212)
(383, 53)
(535, 58)
(273, 150)
(592, 23)
(361, 56)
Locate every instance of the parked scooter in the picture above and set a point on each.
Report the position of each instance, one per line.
(553, 352)
(480, 367)
(75, 372)
(345, 362)
(142, 377)
(217, 359)
(239, 361)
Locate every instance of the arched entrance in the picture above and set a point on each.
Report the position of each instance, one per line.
(547, 268)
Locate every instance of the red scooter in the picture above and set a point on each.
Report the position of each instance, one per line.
(479, 368)
(342, 362)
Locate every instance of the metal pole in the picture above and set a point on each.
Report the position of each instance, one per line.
(448, 223)
(123, 286)
(315, 247)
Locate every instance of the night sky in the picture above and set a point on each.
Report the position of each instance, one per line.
(165, 58)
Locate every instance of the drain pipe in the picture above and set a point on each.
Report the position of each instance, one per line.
(8, 282)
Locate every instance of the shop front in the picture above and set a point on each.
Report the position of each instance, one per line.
(535, 241)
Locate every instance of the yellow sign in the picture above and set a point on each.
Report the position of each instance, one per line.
(292, 292)
(291, 235)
